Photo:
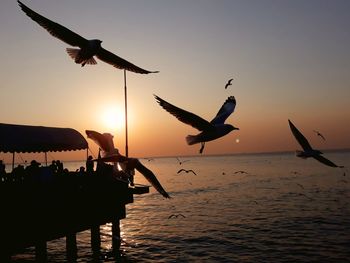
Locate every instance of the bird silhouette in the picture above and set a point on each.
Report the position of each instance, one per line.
(187, 171)
(307, 149)
(228, 83)
(300, 185)
(87, 48)
(176, 216)
(240, 172)
(111, 154)
(319, 134)
(212, 130)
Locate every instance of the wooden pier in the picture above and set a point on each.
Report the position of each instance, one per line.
(39, 204)
(35, 213)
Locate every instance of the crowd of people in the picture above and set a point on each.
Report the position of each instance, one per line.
(35, 172)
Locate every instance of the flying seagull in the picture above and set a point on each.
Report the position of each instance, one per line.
(212, 130)
(87, 48)
(319, 134)
(187, 171)
(228, 83)
(111, 154)
(176, 216)
(307, 149)
(240, 172)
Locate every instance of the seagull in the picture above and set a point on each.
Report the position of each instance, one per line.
(176, 216)
(212, 130)
(181, 162)
(111, 154)
(307, 149)
(187, 171)
(228, 83)
(319, 134)
(240, 172)
(300, 185)
(87, 48)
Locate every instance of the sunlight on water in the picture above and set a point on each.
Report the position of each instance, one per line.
(240, 208)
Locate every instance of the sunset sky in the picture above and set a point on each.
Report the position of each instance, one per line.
(289, 60)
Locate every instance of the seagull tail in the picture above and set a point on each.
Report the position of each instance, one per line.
(74, 53)
(192, 139)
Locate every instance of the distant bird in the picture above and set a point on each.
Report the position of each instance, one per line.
(294, 172)
(212, 130)
(319, 134)
(307, 149)
(240, 172)
(87, 48)
(176, 216)
(300, 185)
(181, 162)
(308, 197)
(111, 154)
(187, 171)
(228, 83)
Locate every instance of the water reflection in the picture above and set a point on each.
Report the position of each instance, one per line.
(259, 216)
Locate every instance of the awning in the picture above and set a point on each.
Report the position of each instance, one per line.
(26, 139)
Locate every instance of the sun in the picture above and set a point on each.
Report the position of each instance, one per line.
(112, 118)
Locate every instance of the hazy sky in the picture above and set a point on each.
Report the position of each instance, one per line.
(289, 59)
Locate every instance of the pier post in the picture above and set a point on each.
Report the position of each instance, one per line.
(71, 247)
(95, 239)
(116, 235)
(41, 251)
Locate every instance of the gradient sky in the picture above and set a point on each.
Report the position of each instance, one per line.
(289, 60)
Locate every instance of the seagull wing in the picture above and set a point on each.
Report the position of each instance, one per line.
(120, 63)
(325, 161)
(184, 116)
(54, 28)
(322, 137)
(149, 175)
(226, 109)
(299, 137)
(228, 83)
(100, 140)
(181, 170)
(192, 172)
(136, 164)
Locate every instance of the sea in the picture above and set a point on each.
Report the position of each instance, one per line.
(270, 207)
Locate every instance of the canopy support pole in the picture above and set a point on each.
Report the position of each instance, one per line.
(129, 172)
(13, 160)
(126, 116)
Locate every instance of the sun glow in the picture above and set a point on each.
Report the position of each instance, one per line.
(112, 118)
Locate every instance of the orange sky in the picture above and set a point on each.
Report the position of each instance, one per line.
(287, 63)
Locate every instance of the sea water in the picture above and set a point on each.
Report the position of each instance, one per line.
(237, 208)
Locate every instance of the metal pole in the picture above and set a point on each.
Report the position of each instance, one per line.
(126, 117)
(13, 161)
